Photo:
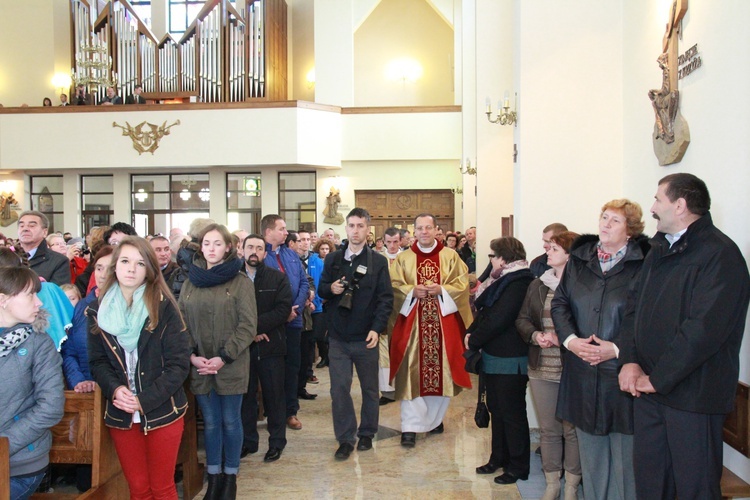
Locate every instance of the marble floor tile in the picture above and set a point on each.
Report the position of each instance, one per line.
(439, 467)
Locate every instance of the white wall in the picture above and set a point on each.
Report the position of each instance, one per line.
(493, 156)
(570, 132)
(26, 71)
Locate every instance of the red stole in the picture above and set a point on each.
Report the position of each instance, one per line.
(431, 333)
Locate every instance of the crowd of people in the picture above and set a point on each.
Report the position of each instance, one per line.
(83, 97)
(623, 340)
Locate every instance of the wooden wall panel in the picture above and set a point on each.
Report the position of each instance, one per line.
(276, 50)
(398, 207)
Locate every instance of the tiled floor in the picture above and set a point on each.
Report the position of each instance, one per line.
(440, 466)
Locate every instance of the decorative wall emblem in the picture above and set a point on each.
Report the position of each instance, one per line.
(671, 135)
(145, 136)
(403, 201)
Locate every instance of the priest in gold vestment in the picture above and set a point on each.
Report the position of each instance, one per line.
(431, 293)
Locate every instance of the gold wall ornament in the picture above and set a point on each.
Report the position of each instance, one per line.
(145, 136)
(9, 209)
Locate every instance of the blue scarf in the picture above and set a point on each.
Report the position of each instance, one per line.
(217, 275)
(123, 322)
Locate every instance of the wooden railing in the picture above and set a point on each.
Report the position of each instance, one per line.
(222, 57)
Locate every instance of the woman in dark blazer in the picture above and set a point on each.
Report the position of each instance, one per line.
(587, 312)
(504, 358)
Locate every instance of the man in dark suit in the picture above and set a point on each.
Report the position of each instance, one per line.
(64, 100)
(32, 231)
(135, 97)
(273, 296)
(82, 98)
(111, 98)
(680, 345)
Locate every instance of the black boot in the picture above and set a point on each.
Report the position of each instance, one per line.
(229, 487)
(215, 482)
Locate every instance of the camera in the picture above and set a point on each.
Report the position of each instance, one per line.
(350, 287)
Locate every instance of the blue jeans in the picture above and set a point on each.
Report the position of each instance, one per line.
(22, 488)
(222, 431)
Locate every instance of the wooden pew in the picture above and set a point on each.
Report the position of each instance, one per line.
(82, 438)
(4, 468)
(737, 435)
(732, 486)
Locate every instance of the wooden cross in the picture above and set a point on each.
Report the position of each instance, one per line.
(669, 43)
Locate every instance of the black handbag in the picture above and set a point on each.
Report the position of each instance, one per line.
(482, 413)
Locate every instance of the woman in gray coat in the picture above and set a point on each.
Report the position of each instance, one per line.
(31, 395)
(218, 304)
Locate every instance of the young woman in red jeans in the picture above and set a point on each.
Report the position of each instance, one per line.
(139, 355)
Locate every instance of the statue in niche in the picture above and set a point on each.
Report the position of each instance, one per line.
(666, 102)
(331, 212)
(7, 205)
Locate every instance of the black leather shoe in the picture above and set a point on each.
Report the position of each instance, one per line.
(248, 450)
(215, 483)
(384, 401)
(509, 478)
(408, 439)
(272, 455)
(488, 468)
(303, 394)
(438, 430)
(229, 487)
(344, 451)
(323, 363)
(365, 443)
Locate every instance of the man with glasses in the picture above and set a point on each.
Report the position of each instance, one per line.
(431, 294)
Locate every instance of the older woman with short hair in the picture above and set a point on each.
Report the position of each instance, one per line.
(504, 358)
(587, 313)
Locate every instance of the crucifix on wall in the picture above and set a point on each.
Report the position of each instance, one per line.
(671, 135)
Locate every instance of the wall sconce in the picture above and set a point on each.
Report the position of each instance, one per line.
(404, 69)
(310, 78)
(504, 115)
(469, 169)
(141, 195)
(61, 81)
(457, 190)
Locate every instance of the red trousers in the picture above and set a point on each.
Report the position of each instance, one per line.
(148, 460)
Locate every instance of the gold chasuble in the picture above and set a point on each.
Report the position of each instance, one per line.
(427, 347)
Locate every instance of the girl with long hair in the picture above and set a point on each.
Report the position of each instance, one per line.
(139, 354)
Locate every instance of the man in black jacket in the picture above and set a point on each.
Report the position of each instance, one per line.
(32, 231)
(273, 296)
(357, 286)
(680, 346)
